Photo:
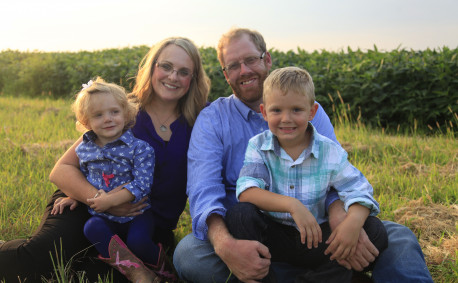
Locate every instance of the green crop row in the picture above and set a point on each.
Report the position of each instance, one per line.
(391, 89)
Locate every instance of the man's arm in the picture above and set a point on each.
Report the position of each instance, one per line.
(207, 198)
(365, 252)
(248, 260)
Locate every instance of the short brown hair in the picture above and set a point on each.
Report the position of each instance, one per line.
(290, 79)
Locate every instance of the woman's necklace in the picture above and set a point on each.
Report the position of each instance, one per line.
(162, 127)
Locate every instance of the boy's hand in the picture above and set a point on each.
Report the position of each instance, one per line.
(343, 240)
(306, 223)
(100, 202)
(61, 203)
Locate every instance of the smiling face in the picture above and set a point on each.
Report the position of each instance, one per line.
(171, 86)
(288, 116)
(106, 118)
(246, 83)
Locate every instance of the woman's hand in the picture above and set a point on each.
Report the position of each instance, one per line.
(61, 203)
(128, 209)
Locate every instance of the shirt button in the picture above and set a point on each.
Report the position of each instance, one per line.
(291, 187)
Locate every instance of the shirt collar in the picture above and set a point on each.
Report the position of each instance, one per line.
(242, 108)
(127, 137)
(271, 143)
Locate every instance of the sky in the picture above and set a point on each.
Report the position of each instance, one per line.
(332, 25)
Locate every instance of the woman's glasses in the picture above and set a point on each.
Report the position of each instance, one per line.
(168, 69)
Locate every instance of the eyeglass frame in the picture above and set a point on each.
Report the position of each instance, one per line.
(263, 55)
(158, 64)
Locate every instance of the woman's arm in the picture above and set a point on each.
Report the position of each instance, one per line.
(67, 176)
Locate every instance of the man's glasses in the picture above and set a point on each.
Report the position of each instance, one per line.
(250, 62)
(168, 69)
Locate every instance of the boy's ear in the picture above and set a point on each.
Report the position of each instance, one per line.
(263, 110)
(313, 111)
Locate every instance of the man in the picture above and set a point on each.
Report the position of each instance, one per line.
(215, 157)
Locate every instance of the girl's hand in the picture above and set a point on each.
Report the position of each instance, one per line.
(307, 225)
(100, 202)
(61, 203)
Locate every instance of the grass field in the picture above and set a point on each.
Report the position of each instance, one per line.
(414, 176)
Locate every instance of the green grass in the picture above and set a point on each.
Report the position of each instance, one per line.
(402, 166)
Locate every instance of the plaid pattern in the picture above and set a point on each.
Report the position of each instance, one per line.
(321, 166)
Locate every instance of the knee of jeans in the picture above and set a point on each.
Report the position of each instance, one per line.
(179, 256)
(399, 233)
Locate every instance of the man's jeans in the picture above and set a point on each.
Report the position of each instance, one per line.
(195, 260)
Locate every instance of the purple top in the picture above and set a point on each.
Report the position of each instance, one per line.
(168, 193)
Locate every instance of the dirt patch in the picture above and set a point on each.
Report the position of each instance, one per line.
(435, 225)
(35, 148)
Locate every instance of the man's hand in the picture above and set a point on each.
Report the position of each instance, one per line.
(343, 240)
(248, 260)
(61, 203)
(365, 252)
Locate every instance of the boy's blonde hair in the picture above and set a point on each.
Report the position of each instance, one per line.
(193, 101)
(290, 79)
(82, 103)
(235, 33)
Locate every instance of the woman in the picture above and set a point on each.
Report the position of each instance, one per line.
(171, 88)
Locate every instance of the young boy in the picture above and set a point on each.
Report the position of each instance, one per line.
(286, 175)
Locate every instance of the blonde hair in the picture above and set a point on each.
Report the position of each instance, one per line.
(290, 79)
(82, 103)
(196, 98)
(235, 33)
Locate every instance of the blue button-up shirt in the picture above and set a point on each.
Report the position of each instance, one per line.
(126, 160)
(216, 152)
(308, 178)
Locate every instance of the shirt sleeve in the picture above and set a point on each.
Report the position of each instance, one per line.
(254, 172)
(323, 126)
(206, 190)
(352, 186)
(142, 171)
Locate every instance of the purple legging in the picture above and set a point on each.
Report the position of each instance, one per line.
(136, 234)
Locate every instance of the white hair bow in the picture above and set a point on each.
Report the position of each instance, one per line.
(89, 83)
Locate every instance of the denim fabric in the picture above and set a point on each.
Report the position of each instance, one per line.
(402, 261)
(246, 221)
